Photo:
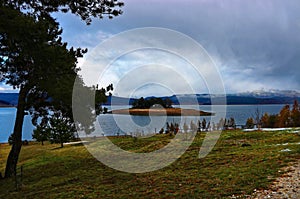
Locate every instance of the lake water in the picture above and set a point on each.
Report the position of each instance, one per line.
(110, 123)
(7, 120)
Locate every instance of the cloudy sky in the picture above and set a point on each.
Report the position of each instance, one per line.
(255, 44)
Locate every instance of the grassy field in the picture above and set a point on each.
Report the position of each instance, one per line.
(230, 169)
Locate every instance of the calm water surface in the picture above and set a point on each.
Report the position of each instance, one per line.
(7, 120)
(110, 123)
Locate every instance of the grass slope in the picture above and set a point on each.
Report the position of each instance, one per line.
(71, 172)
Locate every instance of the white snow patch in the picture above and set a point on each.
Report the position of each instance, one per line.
(268, 129)
(286, 150)
(297, 132)
(79, 142)
(282, 144)
(285, 144)
(276, 129)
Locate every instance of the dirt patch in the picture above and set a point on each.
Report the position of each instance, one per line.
(287, 186)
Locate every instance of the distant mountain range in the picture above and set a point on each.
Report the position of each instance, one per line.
(247, 98)
(8, 99)
(3, 104)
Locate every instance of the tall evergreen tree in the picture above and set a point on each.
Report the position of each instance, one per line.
(61, 128)
(204, 124)
(41, 133)
(231, 122)
(265, 121)
(185, 127)
(250, 123)
(34, 59)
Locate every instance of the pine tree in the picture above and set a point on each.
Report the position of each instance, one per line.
(41, 133)
(265, 121)
(231, 122)
(34, 59)
(193, 126)
(221, 124)
(185, 127)
(250, 123)
(199, 126)
(61, 129)
(204, 124)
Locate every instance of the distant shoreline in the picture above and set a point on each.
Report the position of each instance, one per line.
(161, 112)
(6, 106)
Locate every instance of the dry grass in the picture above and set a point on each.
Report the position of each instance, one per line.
(167, 111)
(71, 172)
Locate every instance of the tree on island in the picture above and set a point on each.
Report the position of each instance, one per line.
(143, 103)
(34, 60)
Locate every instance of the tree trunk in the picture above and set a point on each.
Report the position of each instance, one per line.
(61, 140)
(13, 156)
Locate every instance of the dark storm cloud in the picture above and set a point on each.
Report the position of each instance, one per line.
(257, 42)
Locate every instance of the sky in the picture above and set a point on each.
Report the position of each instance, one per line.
(253, 44)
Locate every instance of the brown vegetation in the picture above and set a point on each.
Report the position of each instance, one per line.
(161, 111)
(287, 117)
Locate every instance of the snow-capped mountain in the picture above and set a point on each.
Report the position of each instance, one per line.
(271, 93)
(254, 97)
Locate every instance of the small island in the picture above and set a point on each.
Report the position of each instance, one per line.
(158, 107)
